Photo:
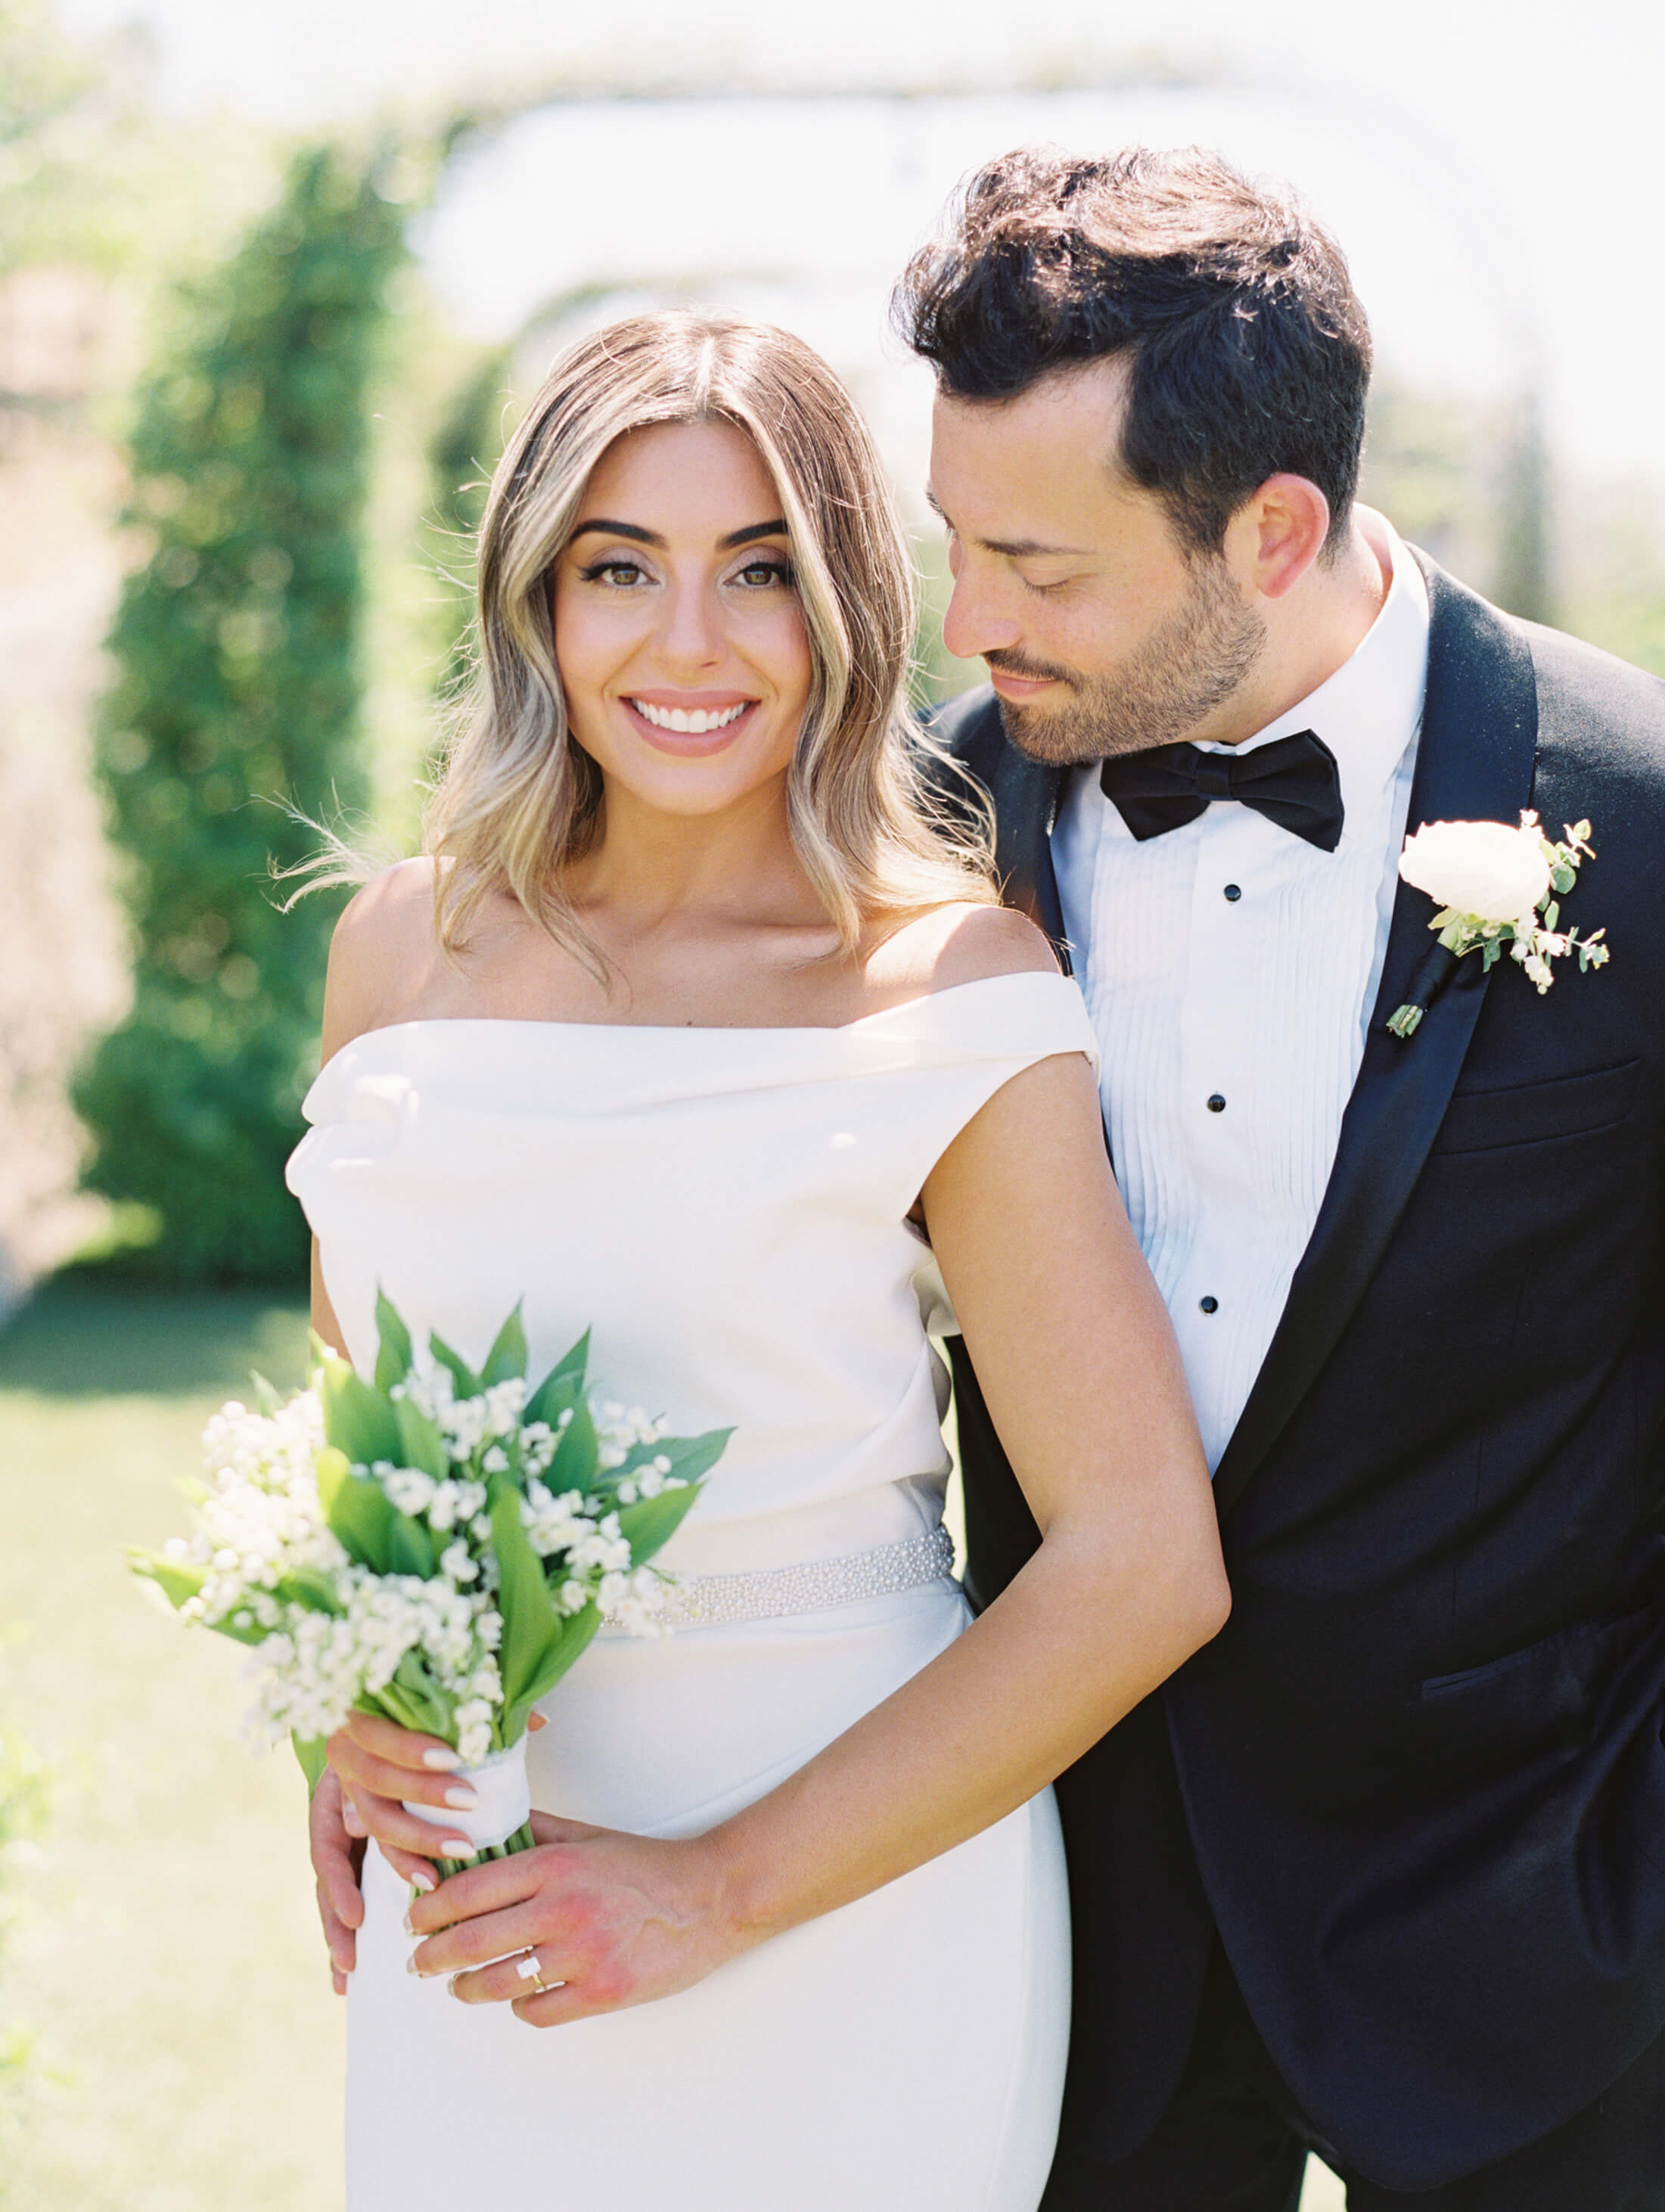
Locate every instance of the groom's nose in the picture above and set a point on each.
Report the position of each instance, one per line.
(979, 619)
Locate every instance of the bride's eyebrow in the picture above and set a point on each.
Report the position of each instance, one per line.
(635, 531)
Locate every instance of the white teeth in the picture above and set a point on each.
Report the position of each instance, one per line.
(696, 724)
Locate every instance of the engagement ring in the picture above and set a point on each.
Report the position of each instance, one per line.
(529, 1970)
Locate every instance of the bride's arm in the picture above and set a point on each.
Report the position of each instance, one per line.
(1081, 1374)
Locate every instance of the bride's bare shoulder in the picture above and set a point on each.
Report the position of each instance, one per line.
(962, 944)
(383, 950)
(398, 899)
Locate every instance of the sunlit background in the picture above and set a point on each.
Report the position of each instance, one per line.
(273, 283)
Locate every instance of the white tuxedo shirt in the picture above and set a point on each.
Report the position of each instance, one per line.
(1230, 969)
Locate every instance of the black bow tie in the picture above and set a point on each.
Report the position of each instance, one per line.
(1293, 781)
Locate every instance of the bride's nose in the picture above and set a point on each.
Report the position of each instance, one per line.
(692, 633)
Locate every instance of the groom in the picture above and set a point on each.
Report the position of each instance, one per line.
(1381, 1873)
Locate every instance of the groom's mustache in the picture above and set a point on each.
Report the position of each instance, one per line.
(1028, 672)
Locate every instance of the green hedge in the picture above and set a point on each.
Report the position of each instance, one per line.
(236, 695)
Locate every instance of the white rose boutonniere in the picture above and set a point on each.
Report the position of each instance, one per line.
(1496, 887)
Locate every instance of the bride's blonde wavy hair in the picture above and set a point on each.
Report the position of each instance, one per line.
(520, 799)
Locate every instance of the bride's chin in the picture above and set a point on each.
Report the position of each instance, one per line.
(682, 797)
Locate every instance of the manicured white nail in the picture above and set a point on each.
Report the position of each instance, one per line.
(421, 1882)
(442, 1762)
(463, 1800)
(457, 1847)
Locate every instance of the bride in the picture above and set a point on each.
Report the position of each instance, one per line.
(696, 1025)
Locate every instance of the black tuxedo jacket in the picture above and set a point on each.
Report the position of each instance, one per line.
(1417, 1784)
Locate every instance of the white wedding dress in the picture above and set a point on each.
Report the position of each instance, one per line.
(724, 1208)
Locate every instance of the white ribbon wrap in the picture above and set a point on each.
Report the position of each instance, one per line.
(505, 1798)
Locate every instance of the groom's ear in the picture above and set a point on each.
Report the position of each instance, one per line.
(1276, 534)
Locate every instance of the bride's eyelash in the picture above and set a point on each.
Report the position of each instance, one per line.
(613, 561)
(777, 565)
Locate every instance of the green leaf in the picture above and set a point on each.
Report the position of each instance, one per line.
(566, 1645)
(508, 1355)
(361, 1514)
(576, 1453)
(693, 1457)
(422, 1710)
(421, 1444)
(549, 1401)
(1553, 913)
(357, 1419)
(562, 1386)
(1563, 877)
(311, 1587)
(467, 1382)
(410, 1546)
(313, 1753)
(266, 1399)
(176, 1582)
(332, 1468)
(393, 1343)
(530, 1618)
(652, 1522)
(424, 1694)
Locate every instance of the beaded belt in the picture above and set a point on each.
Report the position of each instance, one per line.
(775, 1593)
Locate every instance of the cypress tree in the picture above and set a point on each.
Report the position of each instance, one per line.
(236, 695)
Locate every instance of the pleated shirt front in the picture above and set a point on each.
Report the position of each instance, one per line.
(1230, 969)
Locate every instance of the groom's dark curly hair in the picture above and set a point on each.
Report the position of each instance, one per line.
(1250, 352)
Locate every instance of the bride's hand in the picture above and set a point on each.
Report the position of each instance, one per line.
(610, 1920)
(336, 1862)
(380, 1765)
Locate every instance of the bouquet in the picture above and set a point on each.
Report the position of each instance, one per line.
(434, 1545)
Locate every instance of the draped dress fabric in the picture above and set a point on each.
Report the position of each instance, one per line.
(726, 1210)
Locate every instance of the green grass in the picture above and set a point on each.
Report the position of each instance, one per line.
(169, 1959)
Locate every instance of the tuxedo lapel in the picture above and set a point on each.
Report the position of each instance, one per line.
(1474, 764)
(1025, 793)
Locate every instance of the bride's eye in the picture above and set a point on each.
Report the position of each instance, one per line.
(617, 569)
(773, 568)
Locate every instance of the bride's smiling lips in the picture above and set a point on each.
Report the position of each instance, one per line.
(689, 723)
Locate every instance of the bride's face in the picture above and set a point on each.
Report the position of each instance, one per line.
(678, 628)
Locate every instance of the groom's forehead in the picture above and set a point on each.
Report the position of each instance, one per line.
(1017, 473)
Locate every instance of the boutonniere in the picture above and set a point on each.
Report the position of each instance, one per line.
(1496, 887)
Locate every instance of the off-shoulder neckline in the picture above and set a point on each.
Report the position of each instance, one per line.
(700, 1028)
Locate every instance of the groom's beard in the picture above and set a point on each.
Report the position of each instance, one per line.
(1189, 664)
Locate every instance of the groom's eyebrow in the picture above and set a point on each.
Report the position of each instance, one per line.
(1014, 549)
(638, 536)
